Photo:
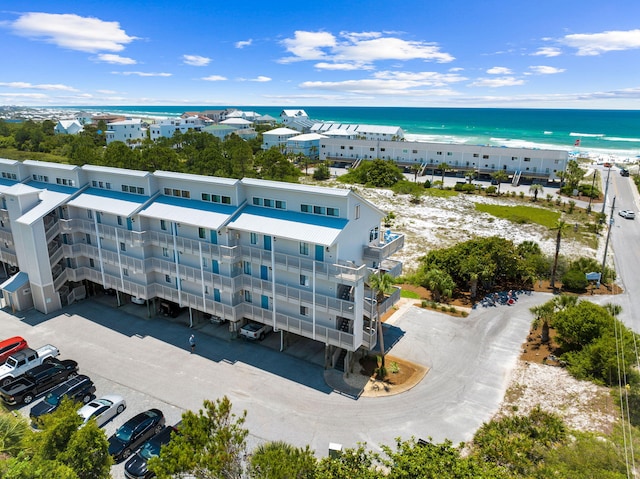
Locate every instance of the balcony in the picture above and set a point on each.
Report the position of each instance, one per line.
(382, 248)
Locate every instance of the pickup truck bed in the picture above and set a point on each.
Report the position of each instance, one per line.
(38, 381)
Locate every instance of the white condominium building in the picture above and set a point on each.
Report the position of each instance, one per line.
(291, 256)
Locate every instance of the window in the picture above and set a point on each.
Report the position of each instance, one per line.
(415, 152)
(202, 233)
(319, 210)
(257, 201)
(254, 238)
(163, 225)
(305, 208)
(268, 203)
(514, 158)
(175, 192)
(333, 212)
(123, 247)
(215, 198)
(165, 252)
(357, 212)
(304, 311)
(216, 294)
(94, 183)
(185, 194)
(92, 263)
(485, 157)
(108, 185)
(281, 205)
(449, 153)
(304, 280)
(247, 296)
(342, 147)
(206, 197)
(439, 153)
(246, 267)
(383, 149)
(125, 272)
(140, 191)
(167, 278)
(304, 249)
(125, 188)
(527, 159)
(372, 149)
(119, 220)
(226, 200)
(89, 214)
(88, 238)
(476, 155)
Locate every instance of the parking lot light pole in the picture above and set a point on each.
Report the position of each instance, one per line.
(606, 244)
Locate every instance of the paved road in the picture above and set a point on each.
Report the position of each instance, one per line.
(148, 361)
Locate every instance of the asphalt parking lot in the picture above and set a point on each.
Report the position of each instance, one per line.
(147, 360)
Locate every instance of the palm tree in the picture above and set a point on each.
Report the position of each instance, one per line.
(561, 225)
(443, 166)
(379, 283)
(543, 313)
(500, 176)
(439, 282)
(535, 189)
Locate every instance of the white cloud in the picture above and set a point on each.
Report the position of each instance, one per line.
(342, 66)
(420, 78)
(36, 96)
(547, 52)
(214, 78)
(499, 71)
(71, 31)
(244, 43)
(308, 45)
(144, 74)
(354, 48)
(107, 92)
(116, 59)
(497, 82)
(196, 60)
(545, 70)
(41, 86)
(597, 43)
(261, 79)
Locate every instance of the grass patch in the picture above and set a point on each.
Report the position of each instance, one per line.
(522, 214)
(438, 193)
(13, 154)
(409, 294)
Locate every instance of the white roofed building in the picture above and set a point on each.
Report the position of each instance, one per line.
(363, 132)
(128, 131)
(287, 116)
(307, 145)
(277, 138)
(292, 256)
(68, 127)
(166, 128)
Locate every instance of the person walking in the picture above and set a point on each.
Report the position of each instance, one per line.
(192, 343)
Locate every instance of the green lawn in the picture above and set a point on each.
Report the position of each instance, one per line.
(409, 294)
(522, 214)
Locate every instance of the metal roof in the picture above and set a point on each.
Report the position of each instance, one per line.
(286, 187)
(191, 212)
(107, 201)
(310, 228)
(216, 180)
(15, 282)
(112, 169)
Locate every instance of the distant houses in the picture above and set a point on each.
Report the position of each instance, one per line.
(67, 127)
(128, 131)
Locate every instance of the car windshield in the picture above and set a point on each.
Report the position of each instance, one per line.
(124, 433)
(52, 399)
(150, 449)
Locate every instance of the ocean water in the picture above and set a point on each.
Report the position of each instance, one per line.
(601, 132)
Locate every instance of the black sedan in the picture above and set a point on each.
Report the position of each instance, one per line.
(136, 467)
(133, 433)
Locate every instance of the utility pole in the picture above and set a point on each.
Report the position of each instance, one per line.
(593, 182)
(606, 190)
(606, 244)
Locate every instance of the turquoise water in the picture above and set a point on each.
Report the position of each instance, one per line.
(614, 132)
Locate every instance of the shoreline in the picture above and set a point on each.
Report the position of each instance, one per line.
(625, 156)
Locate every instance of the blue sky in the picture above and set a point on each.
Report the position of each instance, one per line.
(453, 53)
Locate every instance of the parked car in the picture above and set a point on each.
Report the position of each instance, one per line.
(255, 330)
(170, 309)
(24, 360)
(136, 466)
(103, 409)
(628, 214)
(137, 300)
(624, 172)
(38, 380)
(10, 346)
(135, 432)
(79, 388)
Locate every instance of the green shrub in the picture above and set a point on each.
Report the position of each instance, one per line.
(574, 280)
(491, 190)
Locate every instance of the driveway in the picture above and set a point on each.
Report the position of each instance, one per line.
(286, 397)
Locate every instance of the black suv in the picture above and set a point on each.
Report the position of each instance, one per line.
(38, 380)
(79, 388)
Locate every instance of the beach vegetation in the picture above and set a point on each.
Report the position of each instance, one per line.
(521, 214)
(536, 189)
(404, 187)
(322, 172)
(374, 173)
